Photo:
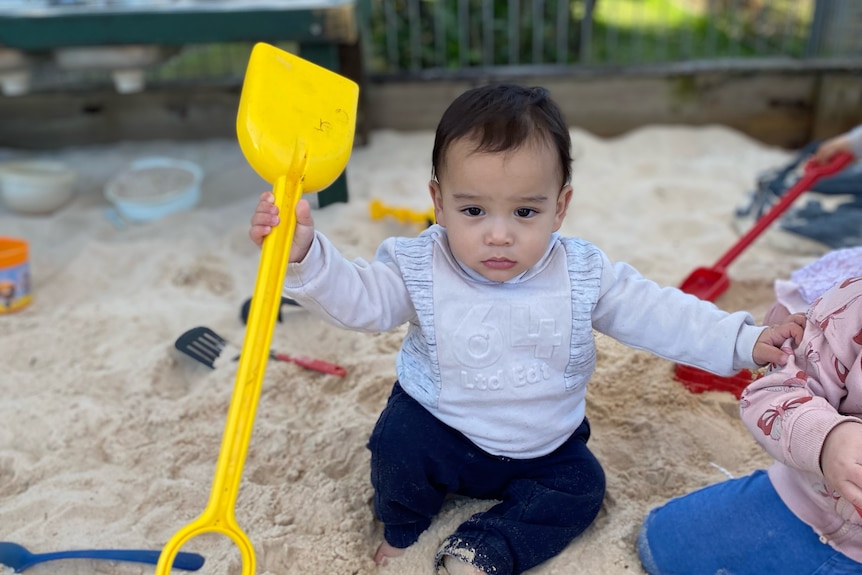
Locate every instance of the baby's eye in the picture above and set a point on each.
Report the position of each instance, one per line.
(525, 212)
(472, 211)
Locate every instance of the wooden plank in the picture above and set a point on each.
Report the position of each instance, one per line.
(775, 108)
(787, 110)
(839, 105)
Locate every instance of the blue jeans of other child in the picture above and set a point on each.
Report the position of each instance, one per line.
(737, 527)
(545, 502)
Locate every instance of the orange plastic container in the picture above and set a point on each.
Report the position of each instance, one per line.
(14, 275)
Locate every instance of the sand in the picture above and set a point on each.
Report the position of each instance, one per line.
(109, 436)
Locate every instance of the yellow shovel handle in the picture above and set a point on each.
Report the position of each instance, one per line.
(218, 516)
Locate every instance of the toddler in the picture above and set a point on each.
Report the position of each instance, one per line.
(489, 400)
(802, 515)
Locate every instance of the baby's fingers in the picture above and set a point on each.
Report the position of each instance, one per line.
(258, 232)
(774, 355)
(793, 327)
(266, 212)
(266, 204)
(264, 218)
(303, 213)
(841, 461)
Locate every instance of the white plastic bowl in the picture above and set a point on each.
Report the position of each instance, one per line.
(153, 188)
(16, 83)
(14, 72)
(36, 186)
(128, 81)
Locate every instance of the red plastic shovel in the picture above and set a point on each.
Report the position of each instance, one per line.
(709, 283)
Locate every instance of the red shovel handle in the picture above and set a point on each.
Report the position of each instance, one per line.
(813, 172)
(313, 364)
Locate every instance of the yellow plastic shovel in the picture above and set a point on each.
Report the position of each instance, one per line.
(295, 126)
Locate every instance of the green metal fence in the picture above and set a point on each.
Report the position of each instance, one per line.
(422, 36)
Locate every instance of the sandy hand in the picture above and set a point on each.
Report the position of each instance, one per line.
(266, 217)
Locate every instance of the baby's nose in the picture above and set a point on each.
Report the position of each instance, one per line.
(498, 234)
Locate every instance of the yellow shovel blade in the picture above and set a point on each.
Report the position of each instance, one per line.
(285, 99)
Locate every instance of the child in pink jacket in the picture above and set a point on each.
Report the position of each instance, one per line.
(802, 515)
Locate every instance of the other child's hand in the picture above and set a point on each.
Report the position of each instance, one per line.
(841, 461)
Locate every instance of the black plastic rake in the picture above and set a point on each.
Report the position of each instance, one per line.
(206, 346)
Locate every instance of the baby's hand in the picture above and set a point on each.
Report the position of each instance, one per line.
(767, 348)
(832, 147)
(265, 217)
(841, 461)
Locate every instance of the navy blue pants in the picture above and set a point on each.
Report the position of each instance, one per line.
(545, 502)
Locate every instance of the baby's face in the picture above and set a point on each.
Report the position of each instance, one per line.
(499, 209)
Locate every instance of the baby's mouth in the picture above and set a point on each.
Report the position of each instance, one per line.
(498, 263)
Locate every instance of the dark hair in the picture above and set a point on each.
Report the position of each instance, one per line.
(503, 117)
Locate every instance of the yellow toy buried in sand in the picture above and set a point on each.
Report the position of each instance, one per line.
(295, 126)
(378, 210)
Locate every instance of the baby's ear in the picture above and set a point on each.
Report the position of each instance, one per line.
(563, 205)
(437, 198)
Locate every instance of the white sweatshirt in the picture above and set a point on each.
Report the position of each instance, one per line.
(507, 363)
(855, 138)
